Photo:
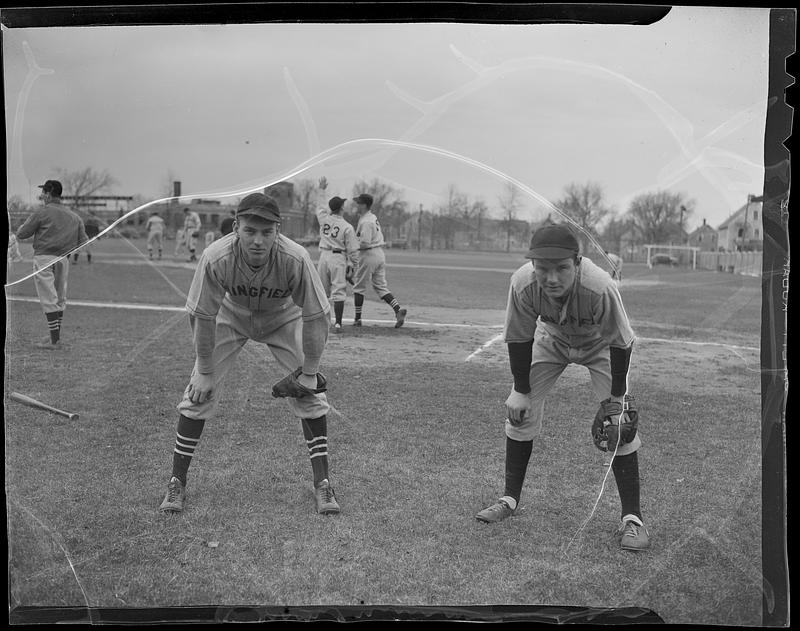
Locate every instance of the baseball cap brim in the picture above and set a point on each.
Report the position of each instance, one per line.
(263, 213)
(551, 253)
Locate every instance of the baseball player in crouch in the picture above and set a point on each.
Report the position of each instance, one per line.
(371, 266)
(338, 252)
(564, 309)
(57, 232)
(256, 284)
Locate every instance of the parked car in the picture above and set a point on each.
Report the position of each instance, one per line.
(401, 244)
(663, 259)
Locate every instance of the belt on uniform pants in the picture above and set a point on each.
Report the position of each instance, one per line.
(334, 251)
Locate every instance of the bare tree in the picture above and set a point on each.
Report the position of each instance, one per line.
(306, 195)
(583, 203)
(85, 182)
(657, 216)
(478, 211)
(614, 231)
(387, 203)
(510, 201)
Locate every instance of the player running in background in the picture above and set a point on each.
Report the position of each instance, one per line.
(254, 284)
(371, 268)
(564, 309)
(338, 250)
(191, 231)
(155, 233)
(56, 231)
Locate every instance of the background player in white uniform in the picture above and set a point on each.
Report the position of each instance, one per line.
(338, 253)
(371, 268)
(564, 309)
(56, 231)
(155, 233)
(254, 284)
(191, 229)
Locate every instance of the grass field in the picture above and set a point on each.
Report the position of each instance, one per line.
(417, 448)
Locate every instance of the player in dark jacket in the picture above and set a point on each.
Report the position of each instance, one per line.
(56, 232)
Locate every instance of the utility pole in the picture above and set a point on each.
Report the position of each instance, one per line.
(683, 210)
(419, 230)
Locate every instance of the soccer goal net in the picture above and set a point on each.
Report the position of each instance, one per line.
(672, 255)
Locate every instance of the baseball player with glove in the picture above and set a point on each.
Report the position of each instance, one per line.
(371, 268)
(338, 252)
(191, 231)
(563, 309)
(256, 284)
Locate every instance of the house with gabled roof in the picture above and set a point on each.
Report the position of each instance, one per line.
(743, 230)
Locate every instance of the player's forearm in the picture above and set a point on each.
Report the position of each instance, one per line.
(620, 362)
(520, 355)
(203, 331)
(26, 231)
(315, 335)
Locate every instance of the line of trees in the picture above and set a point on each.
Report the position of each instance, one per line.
(654, 217)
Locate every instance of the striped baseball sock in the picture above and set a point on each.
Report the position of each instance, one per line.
(626, 473)
(315, 431)
(187, 436)
(53, 325)
(392, 302)
(359, 300)
(60, 319)
(338, 310)
(518, 453)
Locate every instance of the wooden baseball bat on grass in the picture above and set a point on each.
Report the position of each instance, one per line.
(30, 401)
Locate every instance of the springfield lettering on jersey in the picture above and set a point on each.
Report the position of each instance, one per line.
(257, 292)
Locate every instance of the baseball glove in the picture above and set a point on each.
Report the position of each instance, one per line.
(349, 274)
(196, 234)
(289, 386)
(614, 423)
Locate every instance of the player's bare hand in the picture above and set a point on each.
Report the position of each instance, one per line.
(323, 183)
(518, 406)
(201, 388)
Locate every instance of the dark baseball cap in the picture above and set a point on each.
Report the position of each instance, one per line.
(52, 187)
(259, 205)
(335, 203)
(553, 242)
(364, 198)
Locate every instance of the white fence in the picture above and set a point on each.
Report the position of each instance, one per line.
(747, 263)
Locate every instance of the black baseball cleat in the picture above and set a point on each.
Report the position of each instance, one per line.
(50, 345)
(498, 511)
(175, 497)
(632, 534)
(326, 499)
(357, 322)
(401, 318)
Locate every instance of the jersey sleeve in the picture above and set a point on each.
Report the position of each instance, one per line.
(521, 316)
(206, 291)
(615, 325)
(28, 229)
(307, 290)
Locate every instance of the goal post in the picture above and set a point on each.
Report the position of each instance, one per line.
(673, 255)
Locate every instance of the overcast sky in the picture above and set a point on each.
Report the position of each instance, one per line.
(679, 105)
